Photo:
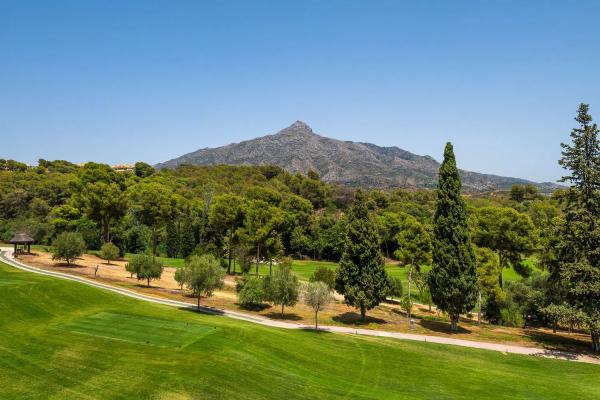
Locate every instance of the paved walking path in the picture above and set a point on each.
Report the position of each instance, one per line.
(6, 256)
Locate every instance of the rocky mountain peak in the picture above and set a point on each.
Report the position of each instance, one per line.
(298, 126)
(298, 149)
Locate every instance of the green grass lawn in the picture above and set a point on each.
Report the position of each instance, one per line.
(65, 340)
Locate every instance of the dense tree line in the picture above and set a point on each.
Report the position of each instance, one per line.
(245, 215)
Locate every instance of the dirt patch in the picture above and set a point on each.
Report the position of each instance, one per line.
(387, 317)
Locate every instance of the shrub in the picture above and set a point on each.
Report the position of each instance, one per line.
(511, 315)
(523, 269)
(396, 287)
(68, 246)
(406, 304)
(251, 293)
(109, 252)
(144, 266)
(325, 275)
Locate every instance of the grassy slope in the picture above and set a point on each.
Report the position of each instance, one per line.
(62, 340)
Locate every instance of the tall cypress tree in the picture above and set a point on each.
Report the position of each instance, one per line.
(361, 276)
(453, 277)
(578, 248)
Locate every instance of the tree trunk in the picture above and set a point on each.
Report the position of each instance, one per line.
(501, 263)
(554, 326)
(281, 310)
(454, 323)
(257, 257)
(198, 301)
(316, 320)
(270, 266)
(596, 341)
(154, 240)
(106, 230)
(148, 282)
(479, 308)
(409, 282)
(363, 311)
(229, 254)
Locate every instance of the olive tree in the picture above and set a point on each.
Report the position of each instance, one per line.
(109, 252)
(282, 288)
(145, 267)
(204, 275)
(317, 295)
(68, 246)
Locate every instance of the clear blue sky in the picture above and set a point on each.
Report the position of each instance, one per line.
(121, 81)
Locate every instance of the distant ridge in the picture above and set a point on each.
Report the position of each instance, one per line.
(298, 149)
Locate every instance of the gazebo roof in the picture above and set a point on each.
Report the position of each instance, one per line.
(21, 238)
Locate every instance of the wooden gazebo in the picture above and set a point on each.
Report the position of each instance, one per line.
(22, 239)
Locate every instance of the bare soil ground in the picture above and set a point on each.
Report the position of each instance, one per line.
(386, 317)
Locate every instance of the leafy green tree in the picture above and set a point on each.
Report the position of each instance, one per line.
(487, 282)
(298, 214)
(153, 205)
(143, 170)
(361, 275)
(396, 288)
(251, 292)
(282, 288)
(181, 277)
(517, 193)
(317, 295)
(578, 249)
(421, 280)
(145, 267)
(172, 241)
(389, 225)
(226, 217)
(273, 249)
(452, 279)
(204, 275)
(109, 252)
(414, 248)
(508, 232)
(261, 224)
(325, 275)
(186, 238)
(101, 192)
(68, 246)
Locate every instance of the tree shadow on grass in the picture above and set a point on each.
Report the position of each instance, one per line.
(557, 342)
(319, 331)
(65, 265)
(286, 316)
(439, 326)
(352, 318)
(254, 307)
(203, 310)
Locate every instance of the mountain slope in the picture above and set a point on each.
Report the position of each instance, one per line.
(298, 149)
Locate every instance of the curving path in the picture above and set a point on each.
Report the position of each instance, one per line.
(6, 256)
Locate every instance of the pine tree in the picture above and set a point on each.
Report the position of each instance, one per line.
(453, 278)
(361, 276)
(578, 248)
(187, 241)
(172, 242)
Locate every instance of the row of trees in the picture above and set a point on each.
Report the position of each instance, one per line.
(460, 271)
